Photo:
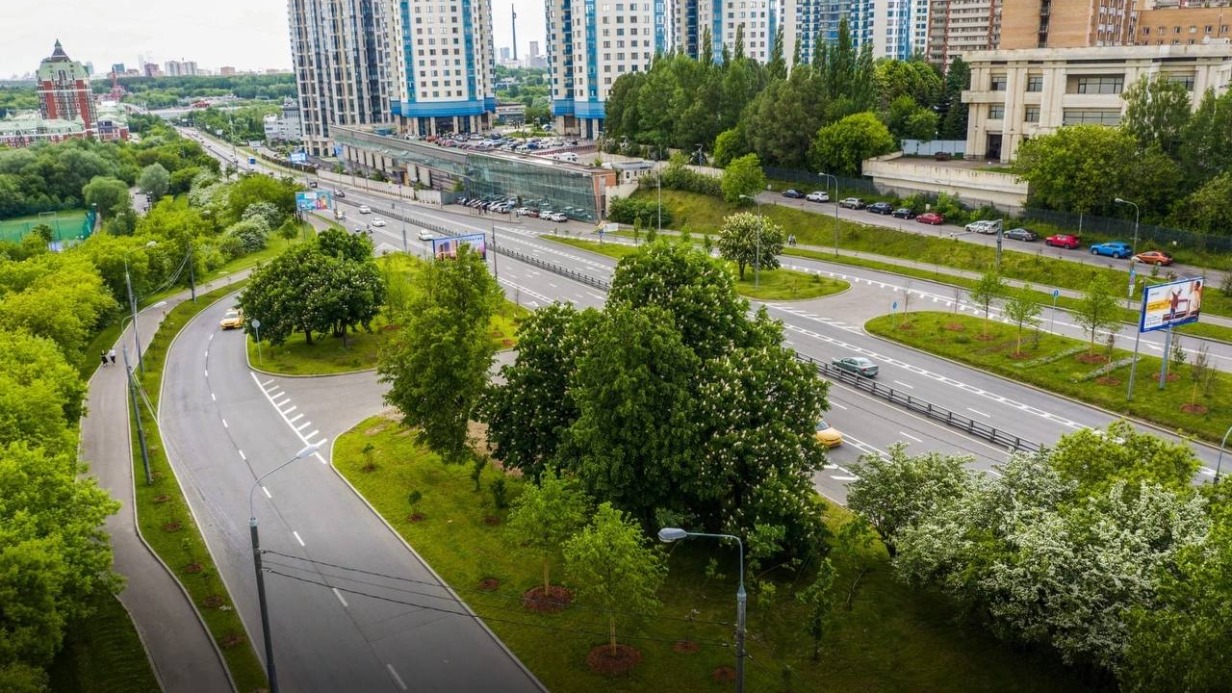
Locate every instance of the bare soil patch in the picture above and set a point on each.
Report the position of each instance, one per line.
(1194, 408)
(685, 646)
(553, 601)
(1091, 358)
(603, 661)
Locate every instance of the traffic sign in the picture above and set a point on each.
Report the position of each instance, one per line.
(1056, 293)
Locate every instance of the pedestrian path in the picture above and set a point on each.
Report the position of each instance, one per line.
(184, 655)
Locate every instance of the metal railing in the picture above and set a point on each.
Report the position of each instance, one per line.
(920, 406)
(555, 269)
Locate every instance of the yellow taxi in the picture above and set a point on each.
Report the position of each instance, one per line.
(232, 320)
(828, 435)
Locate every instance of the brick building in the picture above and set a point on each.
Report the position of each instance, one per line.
(64, 91)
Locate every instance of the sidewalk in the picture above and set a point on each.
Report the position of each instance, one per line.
(184, 655)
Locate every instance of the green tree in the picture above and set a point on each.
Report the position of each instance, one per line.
(1206, 141)
(437, 365)
(1206, 210)
(953, 110)
(819, 598)
(780, 122)
(1097, 310)
(743, 176)
(611, 564)
(898, 491)
(843, 146)
(730, 145)
(154, 181)
(1098, 459)
(1156, 112)
(110, 195)
(1023, 310)
(1078, 168)
(988, 290)
(748, 239)
(546, 516)
(40, 391)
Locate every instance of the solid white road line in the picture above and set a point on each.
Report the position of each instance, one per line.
(297, 538)
(836, 404)
(977, 411)
(844, 478)
(339, 596)
(397, 679)
(267, 493)
(909, 387)
(908, 435)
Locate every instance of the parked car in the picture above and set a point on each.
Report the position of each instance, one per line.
(1154, 257)
(851, 203)
(818, 196)
(904, 213)
(1063, 240)
(1117, 249)
(1021, 234)
(233, 319)
(378, 222)
(793, 194)
(425, 235)
(981, 226)
(828, 435)
(312, 184)
(856, 364)
(365, 209)
(556, 216)
(931, 218)
(881, 208)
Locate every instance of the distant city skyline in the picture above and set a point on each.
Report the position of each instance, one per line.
(245, 34)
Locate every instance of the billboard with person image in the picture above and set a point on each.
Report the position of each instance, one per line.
(447, 248)
(1171, 305)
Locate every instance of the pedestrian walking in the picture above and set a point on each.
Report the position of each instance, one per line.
(103, 356)
(111, 355)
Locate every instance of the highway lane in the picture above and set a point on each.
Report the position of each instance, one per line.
(334, 628)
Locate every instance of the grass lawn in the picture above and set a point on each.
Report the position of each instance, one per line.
(892, 639)
(103, 654)
(167, 524)
(775, 285)
(66, 224)
(705, 214)
(1053, 366)
(937, 274)
(327, 354)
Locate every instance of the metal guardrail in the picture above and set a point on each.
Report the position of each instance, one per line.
(555, 269)
(920, 406)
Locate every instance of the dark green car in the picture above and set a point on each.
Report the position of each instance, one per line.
(856, 364)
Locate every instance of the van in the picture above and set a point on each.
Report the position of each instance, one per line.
(571, 157)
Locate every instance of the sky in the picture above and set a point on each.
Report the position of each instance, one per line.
(245, 34)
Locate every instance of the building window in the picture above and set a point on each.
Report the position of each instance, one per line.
(1103, 84)
(996, 112)
(998, 82)
(1091, 116)
(1031, 115)
(1035, 83)
(1186, 81)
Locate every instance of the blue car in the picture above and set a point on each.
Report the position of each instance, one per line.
(1115, 249)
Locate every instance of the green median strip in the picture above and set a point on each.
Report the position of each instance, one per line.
(103, 654)
(167, 524)
(772, 285)
(892, 637)
(1188, 405)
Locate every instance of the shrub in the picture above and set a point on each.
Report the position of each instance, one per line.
(628, 211)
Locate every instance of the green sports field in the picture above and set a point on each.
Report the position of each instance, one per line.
(65, 225)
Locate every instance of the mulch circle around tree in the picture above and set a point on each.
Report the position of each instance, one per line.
(685, 646)
(985, 337)
(723, 675)
(489, 584)
(232, 639)
(1172, 377)
(416, 517)
(1194, 408)
(1091, 358)
(491, 520)
(162, 499)
(1108, 380)
(602, 661)
(172, 526)
(556, 599)
(955, 326)
(193, 568)
(213, 601)
(907, 326)
(1020, 356)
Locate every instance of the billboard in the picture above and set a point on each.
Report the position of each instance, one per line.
(314, 200)
(1171, 305)
(299, 157)
(448, 247)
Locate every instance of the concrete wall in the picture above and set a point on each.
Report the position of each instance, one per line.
(404, 192)
(893, 173)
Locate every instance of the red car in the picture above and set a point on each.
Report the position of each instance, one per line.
(1062, 240)
(931, 218)
(1154, 257)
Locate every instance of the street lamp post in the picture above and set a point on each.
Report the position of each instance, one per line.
(256, 558)
(132, 306)
(1222, 445)
(835, 203)
(668, 535)
(761, 219)
(1136, 216)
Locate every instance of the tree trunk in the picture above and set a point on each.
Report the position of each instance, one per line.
(546, 583)
(611, 624)
(308, 336)
(740, 266)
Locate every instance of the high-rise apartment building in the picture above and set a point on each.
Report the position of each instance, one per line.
(1066, 23)
(900, 28)
(442, 67)
(64, 91)
(180, 68)
(754, 22)
(961, 26)
(341, 53)
(590, 44)
(1184, 25)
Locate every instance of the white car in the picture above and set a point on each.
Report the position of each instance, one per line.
(425, 235)
(365, 209)
(817, 196)
(378, 221)
(556, 216)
